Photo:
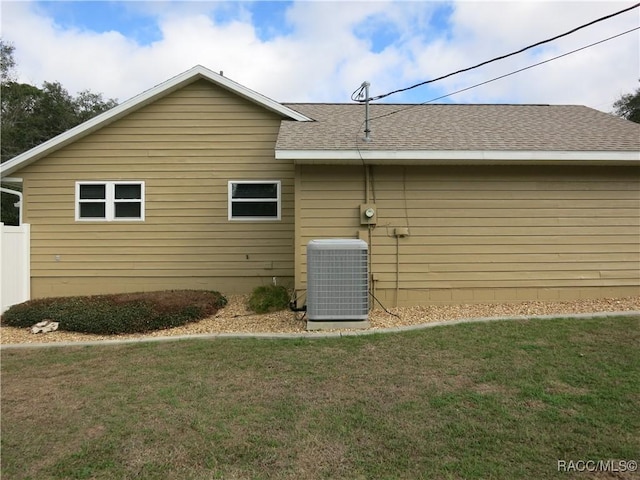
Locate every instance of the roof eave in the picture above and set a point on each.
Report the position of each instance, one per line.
(458, 157)
(139, 101)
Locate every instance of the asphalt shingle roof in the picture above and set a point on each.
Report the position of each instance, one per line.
(459, 127)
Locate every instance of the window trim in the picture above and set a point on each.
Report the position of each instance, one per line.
(231, 200)
(110, 201)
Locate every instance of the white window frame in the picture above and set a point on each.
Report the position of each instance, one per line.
(110, 201)
(231, 200)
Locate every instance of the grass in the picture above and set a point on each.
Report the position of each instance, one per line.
(472, 401)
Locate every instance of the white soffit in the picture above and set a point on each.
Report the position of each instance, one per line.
(432, 157)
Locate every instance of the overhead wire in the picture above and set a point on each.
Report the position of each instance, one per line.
(357, 95)
(357, 143)
(502, 57)
(505, 75)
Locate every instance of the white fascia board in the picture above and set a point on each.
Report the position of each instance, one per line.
(432, 157)
(137, 102)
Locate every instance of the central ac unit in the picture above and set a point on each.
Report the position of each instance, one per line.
(337, 280)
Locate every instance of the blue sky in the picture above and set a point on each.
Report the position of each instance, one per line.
(102, 17)
(298, 51)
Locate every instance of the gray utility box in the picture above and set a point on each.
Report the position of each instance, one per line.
(337, 280)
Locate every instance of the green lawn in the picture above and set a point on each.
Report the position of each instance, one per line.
(500, 400)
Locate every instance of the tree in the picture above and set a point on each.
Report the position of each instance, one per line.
(628, 106)
(88, 105)
(32, 115)
(7, 63)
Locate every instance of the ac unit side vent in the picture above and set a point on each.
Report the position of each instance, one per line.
(337, 280)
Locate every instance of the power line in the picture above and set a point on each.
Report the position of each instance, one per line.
(531, 66)
(358, 92)
(506, 74)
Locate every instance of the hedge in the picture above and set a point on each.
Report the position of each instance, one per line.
(119, 313)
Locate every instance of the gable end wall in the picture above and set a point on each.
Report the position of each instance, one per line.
(185, 147)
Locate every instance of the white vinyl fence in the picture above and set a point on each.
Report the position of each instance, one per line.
(15, 271)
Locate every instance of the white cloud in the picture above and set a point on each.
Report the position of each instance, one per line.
(594, 76)
(326, 51)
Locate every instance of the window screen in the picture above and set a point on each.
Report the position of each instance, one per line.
(254, 200)
(109, 201)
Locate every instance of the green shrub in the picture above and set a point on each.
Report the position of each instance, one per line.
(269, 298)
(120, 313)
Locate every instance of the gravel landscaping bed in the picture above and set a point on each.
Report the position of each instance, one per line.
(236, 318)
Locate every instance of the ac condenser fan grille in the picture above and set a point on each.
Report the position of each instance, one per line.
(337, 280)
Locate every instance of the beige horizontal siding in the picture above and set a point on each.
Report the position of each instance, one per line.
(88, 286)
(185, 147)
(482, 229)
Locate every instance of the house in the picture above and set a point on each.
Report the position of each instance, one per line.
(202, 183)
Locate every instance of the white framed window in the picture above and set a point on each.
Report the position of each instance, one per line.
(254, 200)
(110, 201)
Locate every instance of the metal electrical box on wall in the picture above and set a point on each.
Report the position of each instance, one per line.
(368, 214)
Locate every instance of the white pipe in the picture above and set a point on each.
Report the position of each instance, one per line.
(20, 196)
